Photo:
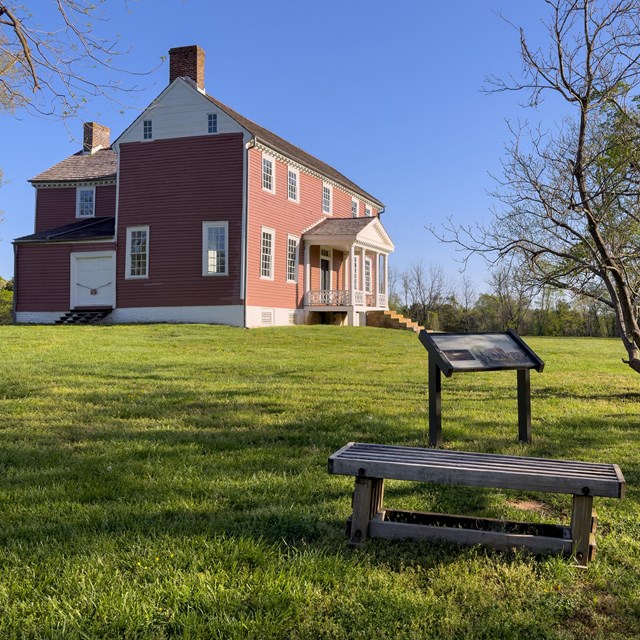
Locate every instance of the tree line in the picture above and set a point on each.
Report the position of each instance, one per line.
(431, 298)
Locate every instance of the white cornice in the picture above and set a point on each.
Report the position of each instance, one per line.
(312, 172)
(75, 183)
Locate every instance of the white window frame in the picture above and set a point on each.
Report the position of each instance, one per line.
(367, 211)
(127, 273)
(148, 136)
(296, 257)
(296, 173)
(272, 233)
(355, 208)
(212, 119)
(329, 188)
(368, 275)
(267, 158)
(223, 224)
(79, 190)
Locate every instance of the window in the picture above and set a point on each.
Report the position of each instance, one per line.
(367, 212)
(326, 198)
(147, 130)
(137, 252)
(212, 123)
(354, 208)
(292, 259)
(268, 174)
(85, 202)
(367, 275)
(355, 273)
(292, 181)
(214, 248)
(266, 253)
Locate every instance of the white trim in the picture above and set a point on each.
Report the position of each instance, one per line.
(268, 230)
(98, 182)
(231, 315)
(73, 274)
(79, 190)
(357, 203)
(127, 269)
(368, 263)
(295, 172)
(268, 158)
(326, 185)
(205, 247)
(296, 257)
(367, 212)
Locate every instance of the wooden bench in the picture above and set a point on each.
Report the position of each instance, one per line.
(371, 464)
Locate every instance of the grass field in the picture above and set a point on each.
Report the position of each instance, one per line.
(170, 482)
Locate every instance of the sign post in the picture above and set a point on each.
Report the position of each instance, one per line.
(451, 353)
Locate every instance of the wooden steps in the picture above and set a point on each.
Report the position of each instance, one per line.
(92, 316)
(391, 320)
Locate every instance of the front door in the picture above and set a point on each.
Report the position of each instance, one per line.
(325, 274)
(93, 279)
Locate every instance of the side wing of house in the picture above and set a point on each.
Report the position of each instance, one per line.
(180, 218)
(69, 260)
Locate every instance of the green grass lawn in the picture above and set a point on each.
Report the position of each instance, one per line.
(170, 481)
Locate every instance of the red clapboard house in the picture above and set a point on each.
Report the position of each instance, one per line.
(197, 214)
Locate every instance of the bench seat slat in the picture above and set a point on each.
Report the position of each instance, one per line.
(471, 461)
(483, 470)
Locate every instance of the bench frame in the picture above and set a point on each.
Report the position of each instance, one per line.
(370, 519)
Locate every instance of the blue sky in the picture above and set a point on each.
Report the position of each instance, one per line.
(387, 93)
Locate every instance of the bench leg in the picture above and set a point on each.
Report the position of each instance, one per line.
(582, 530)
(368, 494)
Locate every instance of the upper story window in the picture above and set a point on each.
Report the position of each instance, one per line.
(292, 258)
(268, 174)
(215, 245)
(137, 263)
(85, 202)
(293, 181)
(326, 198)
(212, 123)
(266, 253)
(354, 208)
(147, 129)
(367, 212)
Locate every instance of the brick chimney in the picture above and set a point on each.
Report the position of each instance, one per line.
(96, 136)
(187, 62)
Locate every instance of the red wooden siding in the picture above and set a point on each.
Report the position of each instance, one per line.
(174, 186)
(43, 278)
(56, 206)
(277, 212)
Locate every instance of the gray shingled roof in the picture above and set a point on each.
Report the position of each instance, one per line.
(295, 153)
(100, 165)
(339, 227)
(92, 229)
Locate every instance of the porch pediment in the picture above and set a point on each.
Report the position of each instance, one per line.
(346, 232)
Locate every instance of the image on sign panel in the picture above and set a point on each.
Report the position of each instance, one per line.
(493, 350)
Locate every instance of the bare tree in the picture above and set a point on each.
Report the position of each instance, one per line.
(513, 296)
(54, 69)
(570, 196)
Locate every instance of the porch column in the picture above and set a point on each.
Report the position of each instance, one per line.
(352, 279)
(377, 288)
(307, 273)
(386, 279)
(363, 288)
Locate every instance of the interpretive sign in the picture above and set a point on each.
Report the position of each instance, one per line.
(451, 353)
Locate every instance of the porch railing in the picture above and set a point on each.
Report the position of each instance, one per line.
(342, 298)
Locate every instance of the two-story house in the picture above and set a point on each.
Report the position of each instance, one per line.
(197, 214)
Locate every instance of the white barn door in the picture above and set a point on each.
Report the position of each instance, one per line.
(93, 277)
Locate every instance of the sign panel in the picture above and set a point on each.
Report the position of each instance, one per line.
(457, 352)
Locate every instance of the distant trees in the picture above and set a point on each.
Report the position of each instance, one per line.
(428, 297)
